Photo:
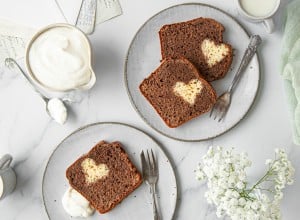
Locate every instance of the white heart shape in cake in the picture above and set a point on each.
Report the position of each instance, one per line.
(92, 171)
(213, 53)
(188, 91)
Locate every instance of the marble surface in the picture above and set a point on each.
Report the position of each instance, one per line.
(30, 136)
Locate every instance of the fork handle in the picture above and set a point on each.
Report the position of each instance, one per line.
(255, 41)
(155, 211)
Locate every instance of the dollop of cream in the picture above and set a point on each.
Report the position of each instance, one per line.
(57, 110)
(59, 58)
(76, 205)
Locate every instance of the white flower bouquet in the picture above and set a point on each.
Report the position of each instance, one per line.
(230, 191)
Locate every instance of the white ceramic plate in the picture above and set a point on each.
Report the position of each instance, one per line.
(144, 57)
(138, 204)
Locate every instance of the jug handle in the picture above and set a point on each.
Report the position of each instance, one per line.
(5, 161)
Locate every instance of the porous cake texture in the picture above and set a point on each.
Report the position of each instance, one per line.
(104, 176)
(177, 91)
(201, 42)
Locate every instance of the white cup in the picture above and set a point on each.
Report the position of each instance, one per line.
(266, 18)
(8, 179)
(84, 87)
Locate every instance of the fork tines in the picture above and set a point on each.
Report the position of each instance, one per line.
(217, 113)
(221, 106)
(149, 165)
(150, 175)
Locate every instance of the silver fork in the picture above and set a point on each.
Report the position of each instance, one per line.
(150, 175)
(220, 108)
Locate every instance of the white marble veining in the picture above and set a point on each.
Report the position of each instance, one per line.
(30, 136)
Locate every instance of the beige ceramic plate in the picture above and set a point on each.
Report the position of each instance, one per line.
(144, 57)
(137, 205)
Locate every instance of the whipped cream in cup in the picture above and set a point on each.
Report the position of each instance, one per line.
(58, 58)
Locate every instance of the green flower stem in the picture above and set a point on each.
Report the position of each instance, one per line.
(245, 192)
(264, 178)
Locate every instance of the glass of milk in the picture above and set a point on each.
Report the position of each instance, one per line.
(259, 11)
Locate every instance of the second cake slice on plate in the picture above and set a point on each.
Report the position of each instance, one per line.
(177, 91)
(201, 42)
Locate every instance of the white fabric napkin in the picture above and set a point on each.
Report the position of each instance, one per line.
(290, 64)
(106, 9)
(31, 13)
(13, 39)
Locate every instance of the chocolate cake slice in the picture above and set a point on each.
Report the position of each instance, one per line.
(201, 42)
(104, 176)
(177, 91)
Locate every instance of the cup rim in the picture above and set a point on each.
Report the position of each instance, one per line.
(31, 73)
(247, 15)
